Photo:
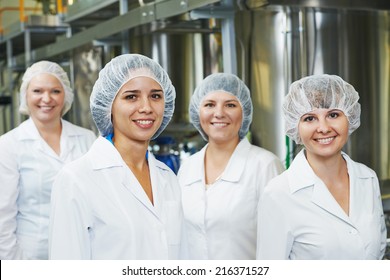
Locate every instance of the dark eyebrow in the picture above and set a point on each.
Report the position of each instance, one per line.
(138, 91)
(307, 115)
(130, 91)
(226, 101)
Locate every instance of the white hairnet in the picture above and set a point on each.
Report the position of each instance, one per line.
(229, 83)
(114, 75)
(45, 67)
(319, 92)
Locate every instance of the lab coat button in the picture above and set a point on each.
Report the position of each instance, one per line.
(353, 231)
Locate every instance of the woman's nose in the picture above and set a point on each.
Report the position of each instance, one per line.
(46, 97)
(219, 112)
(145, 106)
(323, 126)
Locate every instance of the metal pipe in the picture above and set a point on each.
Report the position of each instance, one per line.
(11, 9)
(229, 45)
(27, 47)
(21, 11)
(123, 9)
(60, 8)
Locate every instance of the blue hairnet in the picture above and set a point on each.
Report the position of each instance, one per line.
(45, 67)
(225, 82)
(319, 92)
(114, 75)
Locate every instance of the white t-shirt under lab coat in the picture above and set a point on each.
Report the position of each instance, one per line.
(100, 211)
(27, 169)
(221, 221)
(300, 219)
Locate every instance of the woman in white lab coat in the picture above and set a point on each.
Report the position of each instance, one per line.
(325, 206)
(31, 155)
(222, 183)
(118, 201)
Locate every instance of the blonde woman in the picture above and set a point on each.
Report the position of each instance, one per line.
(31, 156)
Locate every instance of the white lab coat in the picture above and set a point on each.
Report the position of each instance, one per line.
(221, 221)
(300, 219)
(100, 211)
(27, 169)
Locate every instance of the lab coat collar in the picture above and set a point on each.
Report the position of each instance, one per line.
(360, 171)
(233, 170)
(105, 154)
(158, 186)
(30, 132)
(196, 165)
(130, 182)
(237, 163)
(305, 179)
(321, 195)
(68, 131)
(153, 161)
(309, 178)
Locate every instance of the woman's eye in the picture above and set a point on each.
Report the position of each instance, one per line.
(334, 115)
(231, 105)
(56, 91)
(308, 119)
(208, 104)
(36, 90)
(130, 96)
(156, 95)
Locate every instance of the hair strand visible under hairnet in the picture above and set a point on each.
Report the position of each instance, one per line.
(319, 92)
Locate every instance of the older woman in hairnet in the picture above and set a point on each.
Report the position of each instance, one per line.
(222, 183)
(325, 206)
(31, 155)
(118, 201)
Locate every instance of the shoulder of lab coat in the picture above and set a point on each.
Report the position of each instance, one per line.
(28, 131)
(72, 130)
(250, 159)
(103, 154)
(192, 169)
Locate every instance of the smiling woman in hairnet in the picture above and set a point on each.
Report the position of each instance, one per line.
(31, 155)
(118, 201)
(325, 206)
(222, 183)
